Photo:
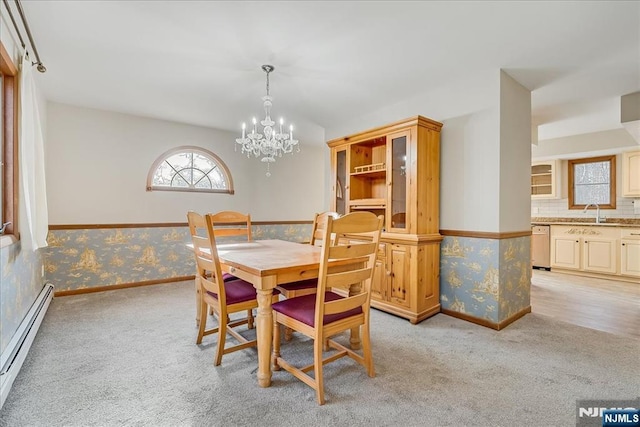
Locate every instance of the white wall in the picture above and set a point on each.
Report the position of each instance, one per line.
(515, 141)
(97, 164)
(470, 172)
(470, 150)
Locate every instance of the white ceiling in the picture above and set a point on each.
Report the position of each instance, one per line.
(199, 62)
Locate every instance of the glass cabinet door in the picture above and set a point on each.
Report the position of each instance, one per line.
(340, 190)
(398, 181)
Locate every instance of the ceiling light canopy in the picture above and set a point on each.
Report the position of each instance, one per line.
(272, 142)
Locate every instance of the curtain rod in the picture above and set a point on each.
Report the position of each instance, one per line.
(40, 67)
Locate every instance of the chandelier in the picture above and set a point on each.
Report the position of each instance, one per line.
(271, 143)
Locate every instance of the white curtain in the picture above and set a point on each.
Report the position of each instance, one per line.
(34, 221)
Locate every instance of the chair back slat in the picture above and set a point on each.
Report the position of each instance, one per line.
(346, 304)
(228, 231)
(351, 250)
(362, 225)
(341, 280)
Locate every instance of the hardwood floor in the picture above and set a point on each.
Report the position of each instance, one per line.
(606, 305)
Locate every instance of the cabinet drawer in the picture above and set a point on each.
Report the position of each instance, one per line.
(630, 233)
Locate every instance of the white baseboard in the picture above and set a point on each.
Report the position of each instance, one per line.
(16, 352)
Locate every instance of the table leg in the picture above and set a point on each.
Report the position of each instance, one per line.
(264, 334)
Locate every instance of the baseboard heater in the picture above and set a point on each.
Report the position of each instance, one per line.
(16, 352)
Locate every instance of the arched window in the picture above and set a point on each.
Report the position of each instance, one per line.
(189, 169)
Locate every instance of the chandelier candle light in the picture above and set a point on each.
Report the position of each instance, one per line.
(269, 143)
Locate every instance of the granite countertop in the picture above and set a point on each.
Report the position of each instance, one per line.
(610, 222)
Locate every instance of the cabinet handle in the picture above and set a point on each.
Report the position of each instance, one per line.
(586, 241)
(577, 241)
(623, 244)
(635, 234)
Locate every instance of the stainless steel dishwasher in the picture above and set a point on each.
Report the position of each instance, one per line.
(540, 247)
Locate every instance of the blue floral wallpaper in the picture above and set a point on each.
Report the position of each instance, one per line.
(87, 258)
(485, 278)
(20, 284)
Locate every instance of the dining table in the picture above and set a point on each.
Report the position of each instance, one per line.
(266, 264)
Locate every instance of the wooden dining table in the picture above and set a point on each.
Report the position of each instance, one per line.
(266, 264)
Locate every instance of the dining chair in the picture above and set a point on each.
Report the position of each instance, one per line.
(227, 226)
(309, 286)
(198, 227)
(223, 297)
(326, 314)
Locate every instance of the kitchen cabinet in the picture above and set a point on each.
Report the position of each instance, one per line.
(630, 252)
(394, 171)
(631, 174)
(540, 246)
(601, 250)
(545, 179)
(599, 254)
(565, 252)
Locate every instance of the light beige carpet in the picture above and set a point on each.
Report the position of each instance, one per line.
(128, 357)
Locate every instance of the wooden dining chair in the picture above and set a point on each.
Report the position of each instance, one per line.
(224, 298)
(227, 226)
(198, 227)
(325, 314)
(309, 286)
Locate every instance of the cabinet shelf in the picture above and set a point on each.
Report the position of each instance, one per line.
(545, 182)
(372, 174)
(367, 204)
(369, 168)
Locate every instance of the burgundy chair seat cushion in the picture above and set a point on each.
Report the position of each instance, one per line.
(239, 291)
(303, 309)
(303, 284)
(226, 277)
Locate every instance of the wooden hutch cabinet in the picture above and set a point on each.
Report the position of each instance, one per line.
(394, 171)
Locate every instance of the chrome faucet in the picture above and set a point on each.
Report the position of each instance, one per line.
(597, 211)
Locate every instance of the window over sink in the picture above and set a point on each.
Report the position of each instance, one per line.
(592, 181)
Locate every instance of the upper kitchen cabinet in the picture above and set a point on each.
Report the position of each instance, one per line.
(545, 179)
(631, 174)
